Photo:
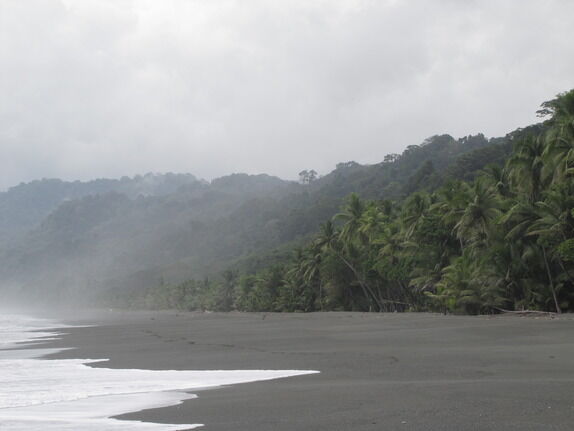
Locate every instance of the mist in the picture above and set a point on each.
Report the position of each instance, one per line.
(315, 195)
(382, 99)
(126, 242)
(96, 89)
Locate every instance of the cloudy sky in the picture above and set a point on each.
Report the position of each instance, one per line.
(105, 88)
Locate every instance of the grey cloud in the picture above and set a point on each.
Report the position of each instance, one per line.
(111, 88)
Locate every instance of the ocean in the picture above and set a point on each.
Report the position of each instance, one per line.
(67, 394)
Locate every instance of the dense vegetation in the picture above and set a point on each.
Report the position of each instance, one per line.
(477, 244)
(26, 205)
(62, 241)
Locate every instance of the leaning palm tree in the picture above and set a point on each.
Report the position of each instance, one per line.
(328, 237)
(311, 270)
(453, 198)
(553, 226)
(528, 172)
(478, 219)
(353, 243)
(393, 262)
(351, 217)
(538, 228)
(497, 176)
(518, 220)
(534, 254)
(333, 241)
(554, 220)
(414, 211)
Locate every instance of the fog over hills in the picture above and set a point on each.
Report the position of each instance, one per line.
(24, 206)
(75, 240)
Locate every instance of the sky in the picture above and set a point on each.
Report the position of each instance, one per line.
(106, 88)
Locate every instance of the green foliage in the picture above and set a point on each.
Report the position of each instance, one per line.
(566, 250)
(457, 226)
(503, 240)
(175, 227)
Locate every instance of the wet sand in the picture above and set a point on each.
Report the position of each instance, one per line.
(378, 371)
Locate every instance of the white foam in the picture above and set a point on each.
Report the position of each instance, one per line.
(17, 330)
(68, 394)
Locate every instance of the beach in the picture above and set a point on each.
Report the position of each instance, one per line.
(394, 371)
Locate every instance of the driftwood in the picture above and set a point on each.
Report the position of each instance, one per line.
(527, 312)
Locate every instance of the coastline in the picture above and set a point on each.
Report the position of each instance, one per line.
(412, 371)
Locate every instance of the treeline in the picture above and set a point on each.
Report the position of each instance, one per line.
(504, 241)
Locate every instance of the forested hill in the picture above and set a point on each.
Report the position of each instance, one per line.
(24, 206)
(78, 239)
(497, 241)
(419, 167)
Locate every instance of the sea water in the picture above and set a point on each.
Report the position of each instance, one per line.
(68, 394)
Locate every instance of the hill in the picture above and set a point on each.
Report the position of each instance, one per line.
(76, 239)
(24, 206)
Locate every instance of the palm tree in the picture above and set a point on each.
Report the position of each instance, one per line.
(351, 217)
(390, 241)
(555, 220)
(311, 269)
(533, 227)
(497, 176)
(477, 221)
(392, 263)
(353, 239)
(414, 211)
(552, 226)
(560, 135)
(466, 285)
(371, 223)
(328, 238)
(527, 168)
(453, 199)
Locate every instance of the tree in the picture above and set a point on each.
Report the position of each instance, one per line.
(307, 177)
(351, 216)
(560, 135)
(477, 221)
(414, 211)
(527, 165)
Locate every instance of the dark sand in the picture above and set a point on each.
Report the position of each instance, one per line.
(378, 371)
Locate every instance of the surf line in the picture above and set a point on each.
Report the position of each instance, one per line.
(68, 394)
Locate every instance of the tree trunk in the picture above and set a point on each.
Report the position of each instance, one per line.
(558, 310)
(566, 271)
(366, 289)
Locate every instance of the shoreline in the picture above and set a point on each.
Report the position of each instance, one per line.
(412, 371)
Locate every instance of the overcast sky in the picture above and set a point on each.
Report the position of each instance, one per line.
(105, 88)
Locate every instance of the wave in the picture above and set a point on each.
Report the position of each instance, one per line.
(68, 394)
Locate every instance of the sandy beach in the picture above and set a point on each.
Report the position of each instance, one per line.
(378, 371)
